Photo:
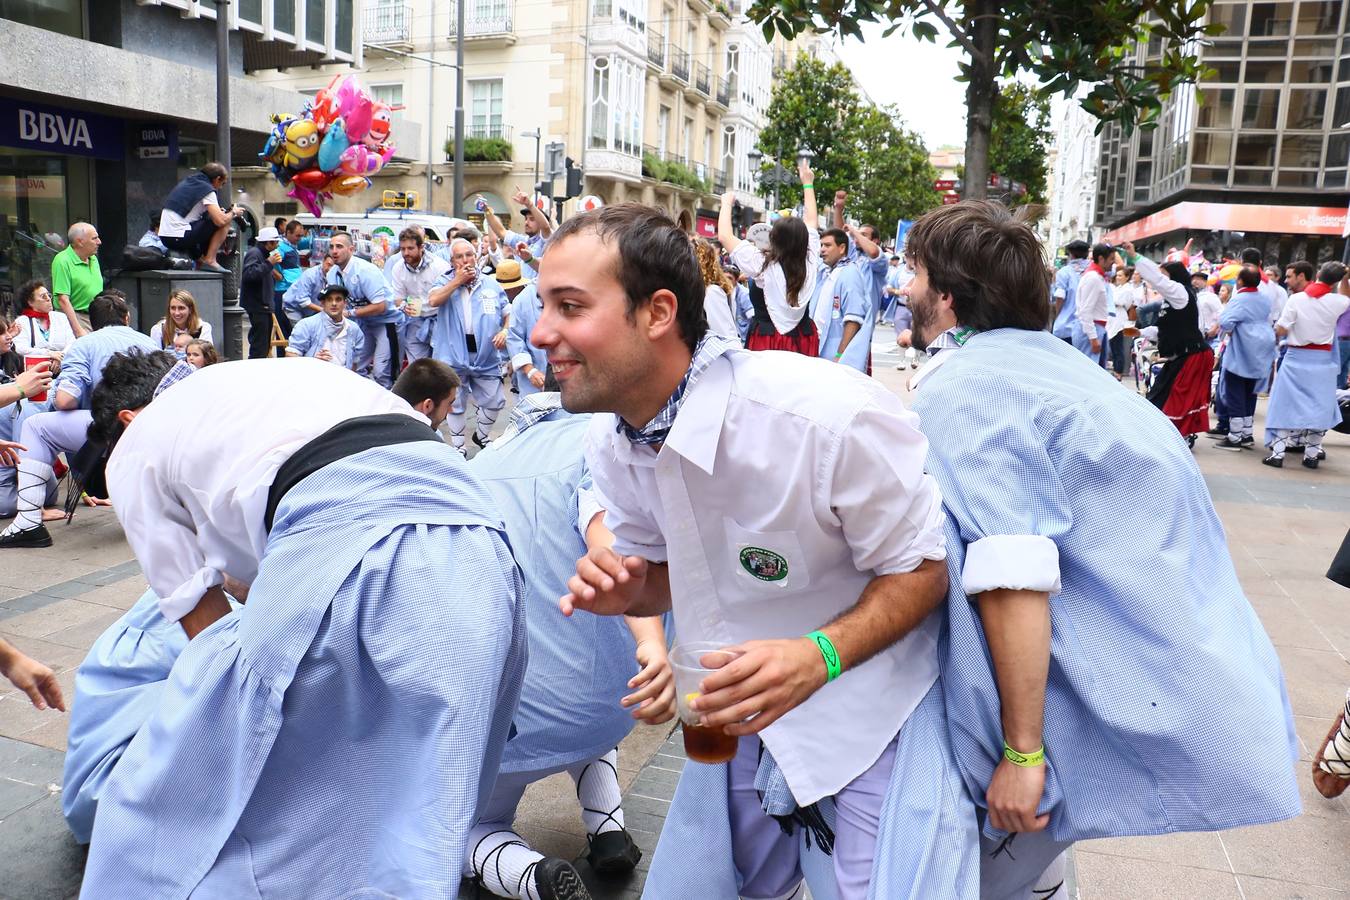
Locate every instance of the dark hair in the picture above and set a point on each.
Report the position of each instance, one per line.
(23, 297)
(108, 308)
(292, 225)
(279, 223)
(154, 219)
(1177, 271)
(1248, 278)
(1128, 272)
(789, 242)
(838, 235)
(11, 363)
(990, 263)
(1331, 272)
(214, 170)
(1077, 249)
(209, 352)
(129, 381)
(1099, 250)
(426, 379)
(1251, 257)
(341, 234)
(653, 254)
(412, 233)
(872, 234)
(1304, 268)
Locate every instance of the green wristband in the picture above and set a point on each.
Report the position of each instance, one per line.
(831, 655)
(1025, 760)
(808, 187)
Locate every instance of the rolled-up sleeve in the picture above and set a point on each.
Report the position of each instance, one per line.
(889, 508)
(616, 490)
(75, 372)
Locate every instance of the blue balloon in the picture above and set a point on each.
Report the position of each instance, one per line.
(334, 143)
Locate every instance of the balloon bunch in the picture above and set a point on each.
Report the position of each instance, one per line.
(1225, 273)
(339, 140)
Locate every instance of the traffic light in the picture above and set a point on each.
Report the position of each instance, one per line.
(574, 176)
(545, 188)
(553, 159)
(736, 215)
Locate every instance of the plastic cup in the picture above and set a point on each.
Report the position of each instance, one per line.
(32, 360)
(412, 306)
(691, 663)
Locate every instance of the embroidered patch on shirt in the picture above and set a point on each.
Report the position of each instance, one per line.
(764, 564)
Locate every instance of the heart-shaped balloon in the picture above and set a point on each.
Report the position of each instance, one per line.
(312, 179)
(346, 185)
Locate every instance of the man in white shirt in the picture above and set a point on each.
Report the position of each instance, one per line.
(193, 222)
(339, 733)
(1210, 308)
(1303, 398)
(733, 483)
(1093, 305)
(1271, 287)
(411, 276)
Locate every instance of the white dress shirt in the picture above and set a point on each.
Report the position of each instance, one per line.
(418, 282)
(812, 466)
(1091, 302)
(748, 258)
(1312, 320)
(190, 476)
(717, 309)
(1277, 295)
(1210, 310)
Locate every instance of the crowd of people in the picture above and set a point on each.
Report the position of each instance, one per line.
(360, 646)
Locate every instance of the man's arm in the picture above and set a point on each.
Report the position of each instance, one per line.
(370, 309)
(540, 217)
(494, 224)
(725, 233)
(61, 287)
(854, 304)
(1017, 630)
(868, 246)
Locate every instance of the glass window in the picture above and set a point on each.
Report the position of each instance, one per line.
(1318, 17)
(1226, 72)
(485, 107)
(1307, 107)
(1287, 179)
(1233, 16)
(1255, 150)
(1309, 71)
(1279, 47)
(1265, 72)
(1215, 108)
(251, 11)
(1315, 47)
(314, 21)
(1341, 114)
(1252, 177)
(1301, 151)
(1212, 148)
(1270, 18)
(1338, 148)
(1259, 107)
(600, 102)
(1334, 179)
(1146, 142)
(392, 94)
(343, 25)
(1343, 69)
(61, 16)
(1209, 176)
(283, 16)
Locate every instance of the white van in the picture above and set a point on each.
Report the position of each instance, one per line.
(375, 233)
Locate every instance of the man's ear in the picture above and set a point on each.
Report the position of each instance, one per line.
(425, 407)
(126, 415)
(662, 310)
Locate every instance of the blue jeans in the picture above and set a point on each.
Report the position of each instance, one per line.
(1343, 347)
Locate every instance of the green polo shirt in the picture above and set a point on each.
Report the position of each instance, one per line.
(80, 281)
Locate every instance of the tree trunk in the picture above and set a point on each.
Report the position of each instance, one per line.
(982, 25)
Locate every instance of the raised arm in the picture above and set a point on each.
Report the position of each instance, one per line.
(725, 233)
(494, 224)
(808, 177)
(1173, 293)
(540, 217)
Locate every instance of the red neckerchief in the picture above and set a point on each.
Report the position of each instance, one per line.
(1246, 290)
(1093, 267)
(1317, 289)
(44, 318)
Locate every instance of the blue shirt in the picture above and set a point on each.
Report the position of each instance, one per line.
(489, 308)
(525, 310)
(306, 290)
(745, 310)
(1251, 340)
(82, 366)
(289, 267)
(311, 333)
(852, 302)
(579, 667)
(536, 244)
(1146, 633)
(366, 284)
(1066, 283)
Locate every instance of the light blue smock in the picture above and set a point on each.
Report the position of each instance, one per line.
(309, 334)
(853, 301)
(1066, 280)
(305, 291)
(525, 310)
(1251, 340)
(490, 307)
(365, 282)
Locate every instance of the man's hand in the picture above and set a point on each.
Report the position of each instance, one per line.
(13, 331)
(767, 680)
(1014, 793)
(1096, 346)
(536, 378)
(606, 584)
(9, 452)
(35, 380)
(729, 199)
(653, 697)
(805, 174)
(499, 340)
(325, 354)
(31, 677)
(212, 607)
(520, 198)
(522, 252)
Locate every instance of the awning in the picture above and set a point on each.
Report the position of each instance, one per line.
(1255, 217)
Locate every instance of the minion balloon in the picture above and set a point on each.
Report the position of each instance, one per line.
(302, 144)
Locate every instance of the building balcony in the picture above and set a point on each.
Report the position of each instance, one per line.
(719, 181)
(490, 23)
(388, 27)
(605, 162)
(486, 146)
(720, 17)
(676, 72)
(702, 79)
(656, 50)
(725, 89)
(701, 6)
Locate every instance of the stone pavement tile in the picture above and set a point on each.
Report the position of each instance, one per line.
(58, 656)
(1288, 625)
(1199, 849)
(1314, 804)
(55, 617)
(1316, 680)
(15, 795)
(84, 633)
(41, 860)
(1309, 850)
(1270, 889)
(120, 594)
(1311, 731)
(1103, 877)
(18, 717)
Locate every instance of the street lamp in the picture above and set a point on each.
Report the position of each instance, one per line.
(804, 156)
(756, 159)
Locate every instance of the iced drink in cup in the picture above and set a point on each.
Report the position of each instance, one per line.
(31, 360)
(691, 663)
(412, 306)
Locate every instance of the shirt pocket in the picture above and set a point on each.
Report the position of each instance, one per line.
(765, 562)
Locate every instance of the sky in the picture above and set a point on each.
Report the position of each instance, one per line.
(916, 76)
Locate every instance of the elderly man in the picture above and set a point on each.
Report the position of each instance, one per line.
(339, 734)
(193, 222)
(76, 276)
(475, 315)
(373, 306)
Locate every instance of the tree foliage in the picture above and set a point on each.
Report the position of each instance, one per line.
(855, 146)
(1019, 138)
(1062, 43)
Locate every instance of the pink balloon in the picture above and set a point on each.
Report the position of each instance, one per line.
(310, 200)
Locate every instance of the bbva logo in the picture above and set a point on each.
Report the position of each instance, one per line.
(49, 128)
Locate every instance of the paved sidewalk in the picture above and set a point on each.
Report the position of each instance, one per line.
(1283, 527)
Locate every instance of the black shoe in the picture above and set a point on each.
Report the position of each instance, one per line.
(1321, 455)
(1234, 446)
(482, 445)
(1217, 432)
(1276, 462)
(1190, 441)
(555, 879)
(612, 853)
(29, 537)
(1247, 441)
(1310, 463)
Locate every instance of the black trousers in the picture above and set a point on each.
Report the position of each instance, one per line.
(259, 330)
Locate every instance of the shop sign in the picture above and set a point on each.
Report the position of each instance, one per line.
(706, 226)
(1254, 217)
(157, 140)
(36, 126)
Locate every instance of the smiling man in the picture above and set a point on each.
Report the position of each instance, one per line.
(741, 491)
(1089, 682)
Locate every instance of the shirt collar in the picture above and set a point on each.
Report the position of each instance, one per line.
(709, 349)
(940, 350)
(530, 410)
